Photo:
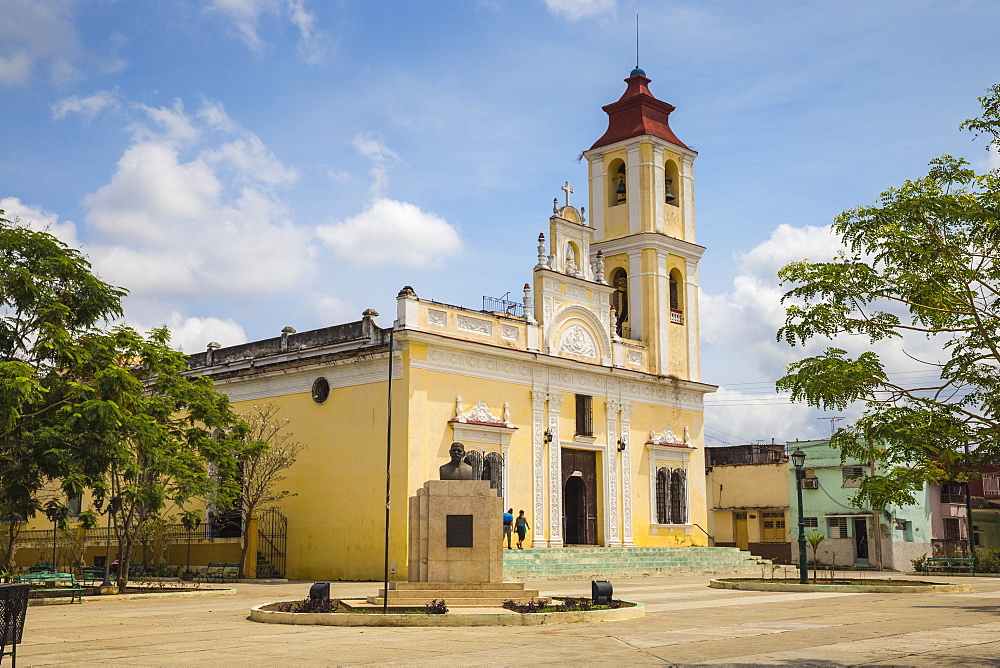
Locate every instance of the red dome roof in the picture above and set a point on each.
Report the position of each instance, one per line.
(637, 113)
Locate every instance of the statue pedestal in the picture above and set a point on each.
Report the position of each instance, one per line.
(456, 553)
(456, 528)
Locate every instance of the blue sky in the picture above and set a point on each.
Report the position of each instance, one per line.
(242, 165)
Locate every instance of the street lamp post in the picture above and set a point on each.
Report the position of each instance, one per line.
(55, 513)
(113, 505)
(798, 459)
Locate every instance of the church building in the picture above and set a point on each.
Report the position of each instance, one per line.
(581, 403)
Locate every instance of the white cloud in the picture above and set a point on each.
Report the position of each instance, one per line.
(88, 106)
(392, 232)
(312, 46)
(739, 328)
(36, 32)
(192, 335)
(183, 218)
(247, 16)
(171, 124)
(734, 418)
(382, 158)
(35, 218)
(574, 10)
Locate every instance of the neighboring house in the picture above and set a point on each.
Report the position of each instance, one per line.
(855, 536)
(747, 490)
(985, 492)
(949, 527)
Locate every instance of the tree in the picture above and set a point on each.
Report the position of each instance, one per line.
(177, 438)
(50, 302)
(269, 450)
(97, 406)
(923, 261)
(815, 539)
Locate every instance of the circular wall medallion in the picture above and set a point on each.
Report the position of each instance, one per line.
(320, 390)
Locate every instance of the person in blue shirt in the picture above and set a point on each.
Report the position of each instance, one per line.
(508, 525)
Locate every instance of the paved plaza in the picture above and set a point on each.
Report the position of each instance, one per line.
(687, 623)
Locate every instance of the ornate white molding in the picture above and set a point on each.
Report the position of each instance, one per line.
(438, 318)
(481, 413)
(578, 341)
(474, 325)
(538, 400)
(541, 374)
(671, 457)
(668, 437)
(508, 332)
(625, 411)
(612, 538)
(555, 473)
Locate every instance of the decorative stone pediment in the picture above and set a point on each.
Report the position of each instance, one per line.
(481, 414)
(578, 341)
(668, 437)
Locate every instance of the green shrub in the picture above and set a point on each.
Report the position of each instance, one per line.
(987, 560)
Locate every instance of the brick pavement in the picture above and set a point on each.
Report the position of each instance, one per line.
(687, 623)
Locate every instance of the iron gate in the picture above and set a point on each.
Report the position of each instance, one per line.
(272, 533)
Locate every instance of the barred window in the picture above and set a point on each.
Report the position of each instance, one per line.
(487, 467)
(584, 415)
(852, 476)
(837, 527)
(811, 522)
(662, 495)
(678, 497)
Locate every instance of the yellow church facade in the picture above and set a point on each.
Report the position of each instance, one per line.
(581, 403)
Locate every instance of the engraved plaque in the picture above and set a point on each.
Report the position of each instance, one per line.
(459, 531)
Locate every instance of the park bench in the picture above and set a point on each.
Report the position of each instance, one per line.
(219, 571)
(92, 575)
(949, 565)
(53, 584)
(42, 567)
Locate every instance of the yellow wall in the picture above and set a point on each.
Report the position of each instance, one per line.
(749, 487)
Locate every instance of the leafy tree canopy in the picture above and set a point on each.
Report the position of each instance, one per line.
(922, 261)
(94, 405)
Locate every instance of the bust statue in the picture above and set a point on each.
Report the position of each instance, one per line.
(457, 468)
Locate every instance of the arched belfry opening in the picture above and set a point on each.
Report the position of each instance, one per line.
(618, 183)
(676, 297)
(619, 298)
(671, 184)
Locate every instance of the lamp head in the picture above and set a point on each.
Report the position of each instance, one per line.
(798, 458)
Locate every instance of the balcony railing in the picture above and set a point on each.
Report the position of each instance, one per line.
(676, 317)
(953, 498)
(501, 305)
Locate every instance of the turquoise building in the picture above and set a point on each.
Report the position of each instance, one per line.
(858, 536)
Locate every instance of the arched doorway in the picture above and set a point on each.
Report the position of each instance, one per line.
(579, 497)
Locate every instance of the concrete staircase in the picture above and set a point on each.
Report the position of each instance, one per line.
(584, 563)
(456, 594)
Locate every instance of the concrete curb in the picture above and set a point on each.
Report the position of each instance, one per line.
(455, 617)
(929, 588)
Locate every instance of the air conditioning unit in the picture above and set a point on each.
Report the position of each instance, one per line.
(810, 483)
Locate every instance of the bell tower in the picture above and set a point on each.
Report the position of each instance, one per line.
(641, 182)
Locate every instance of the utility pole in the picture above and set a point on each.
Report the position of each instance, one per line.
(833, 423)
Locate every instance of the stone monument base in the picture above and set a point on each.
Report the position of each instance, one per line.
(456, 529)
(456, 594)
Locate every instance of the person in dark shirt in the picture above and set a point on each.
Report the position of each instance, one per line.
(508, 525)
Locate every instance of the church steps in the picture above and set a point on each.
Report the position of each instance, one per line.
(595, 562)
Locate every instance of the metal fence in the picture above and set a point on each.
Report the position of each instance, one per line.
(99, 536)
(501, 305)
